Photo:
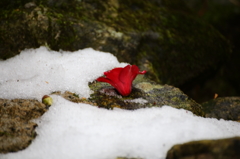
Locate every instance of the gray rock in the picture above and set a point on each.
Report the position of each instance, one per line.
(207, 149)
(227, 108)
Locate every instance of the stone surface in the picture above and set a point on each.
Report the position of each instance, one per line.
(16, 129)
(227, 108)
(145, 93)
(223, 15)
(168, 41)
(171, 43)
(207, 149)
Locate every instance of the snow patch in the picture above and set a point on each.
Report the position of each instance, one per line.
(73, 131)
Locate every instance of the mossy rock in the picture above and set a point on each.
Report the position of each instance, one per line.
(16, 130)
(207, 149)
(169, 42)
(145, 94)
(227, 108)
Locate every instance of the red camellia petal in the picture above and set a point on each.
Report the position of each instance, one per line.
(121, 78)
(142, 72)
(128, 73)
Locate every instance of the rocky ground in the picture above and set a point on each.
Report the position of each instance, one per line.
(17, 130)
(190, 49)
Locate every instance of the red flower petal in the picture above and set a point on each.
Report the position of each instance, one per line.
(103, 79)
(127, 74)
(113, 74)
(142, 72)
(121, 78)
(111, 77)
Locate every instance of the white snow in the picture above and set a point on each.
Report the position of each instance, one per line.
(137, 100)
(81, 131)
(36, 72)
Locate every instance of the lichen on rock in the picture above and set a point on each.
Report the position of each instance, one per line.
(148, 93)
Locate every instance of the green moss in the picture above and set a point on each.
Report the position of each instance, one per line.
(154, 94)
(192, 50)
(171, 44)
(136, 16)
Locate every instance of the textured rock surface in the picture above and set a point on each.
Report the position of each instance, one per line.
(207, 149)
(223, 15)
(168, 41)
(227, 108)
(157, 36)
(16, 129)
(145, 93)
